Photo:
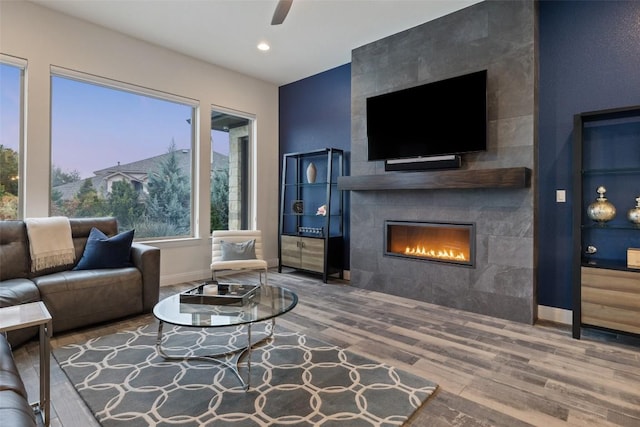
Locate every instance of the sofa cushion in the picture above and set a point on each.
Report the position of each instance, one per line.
(106, 252)
(14, 250)
(14, 406)
(84, 297)
(15, 411)
(18, 291)
(14, 292)
(9, 375)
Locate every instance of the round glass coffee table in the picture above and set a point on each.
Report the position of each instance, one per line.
(266, 303)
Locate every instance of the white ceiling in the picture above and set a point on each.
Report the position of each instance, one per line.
(316, 36)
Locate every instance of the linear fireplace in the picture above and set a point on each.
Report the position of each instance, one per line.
(431, 241)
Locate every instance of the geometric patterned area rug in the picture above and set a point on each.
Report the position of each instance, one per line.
(295, 381)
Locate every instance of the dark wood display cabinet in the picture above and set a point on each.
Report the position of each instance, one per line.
(311, 212)
(606, 279)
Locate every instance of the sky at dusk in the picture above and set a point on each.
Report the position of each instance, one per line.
(9, 106)
(94, 127)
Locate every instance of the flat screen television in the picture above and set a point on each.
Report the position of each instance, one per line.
(434, 119)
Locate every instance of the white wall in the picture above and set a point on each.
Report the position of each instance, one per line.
(44, 38)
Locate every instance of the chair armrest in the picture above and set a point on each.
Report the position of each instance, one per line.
(146, 258)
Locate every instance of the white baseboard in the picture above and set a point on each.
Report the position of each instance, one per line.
(557, 315)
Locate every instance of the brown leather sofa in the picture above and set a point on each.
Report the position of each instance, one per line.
(76, 298)
(15, 410)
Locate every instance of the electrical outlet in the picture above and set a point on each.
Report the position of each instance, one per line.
(561, 196)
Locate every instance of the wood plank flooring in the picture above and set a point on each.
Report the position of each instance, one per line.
(490, 372)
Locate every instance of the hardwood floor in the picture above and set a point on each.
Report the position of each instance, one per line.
(490, 372)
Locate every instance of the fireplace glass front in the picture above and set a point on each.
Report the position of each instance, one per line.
(431, 241)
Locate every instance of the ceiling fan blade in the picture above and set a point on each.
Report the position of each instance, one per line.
(282, 8)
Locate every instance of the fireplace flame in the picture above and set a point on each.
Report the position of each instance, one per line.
(421, 251)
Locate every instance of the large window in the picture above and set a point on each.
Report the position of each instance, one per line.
(122, 151)
(11, 83)
(230, 144)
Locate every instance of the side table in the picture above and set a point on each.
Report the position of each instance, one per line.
(24, 316)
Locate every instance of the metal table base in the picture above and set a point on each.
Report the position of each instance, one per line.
(219, 358)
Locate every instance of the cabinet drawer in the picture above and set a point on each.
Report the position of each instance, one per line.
(611, 299)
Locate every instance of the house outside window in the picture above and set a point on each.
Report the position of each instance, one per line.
(124, 151)
(11, 110)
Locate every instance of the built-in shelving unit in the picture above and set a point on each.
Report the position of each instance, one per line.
(519, 177)
(606, 290)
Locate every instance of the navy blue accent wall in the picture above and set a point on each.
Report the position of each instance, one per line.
(589, 60)
(316, 113)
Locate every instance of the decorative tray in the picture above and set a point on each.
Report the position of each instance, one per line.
(214, 293)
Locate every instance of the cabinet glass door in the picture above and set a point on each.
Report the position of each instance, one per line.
(611, 162)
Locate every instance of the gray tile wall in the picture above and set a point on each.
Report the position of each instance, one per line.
(497, 36)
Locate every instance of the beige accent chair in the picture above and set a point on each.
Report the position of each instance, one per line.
(237, 236)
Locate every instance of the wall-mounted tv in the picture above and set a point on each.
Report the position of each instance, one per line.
(434, 119)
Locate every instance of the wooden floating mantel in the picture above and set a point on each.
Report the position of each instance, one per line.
(519, 177)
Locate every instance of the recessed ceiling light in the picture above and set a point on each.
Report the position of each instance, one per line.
(264, 46)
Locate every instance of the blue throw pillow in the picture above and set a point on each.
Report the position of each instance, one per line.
(106, 252)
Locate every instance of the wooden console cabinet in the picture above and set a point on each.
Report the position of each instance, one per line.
(304, 253)
(611, 299)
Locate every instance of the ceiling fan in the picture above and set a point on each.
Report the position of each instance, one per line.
(282, 8)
